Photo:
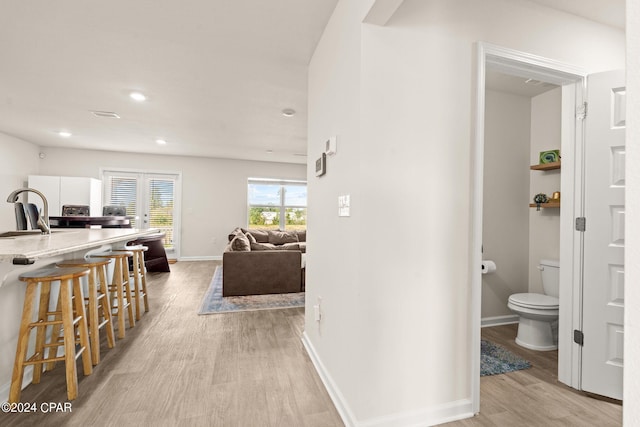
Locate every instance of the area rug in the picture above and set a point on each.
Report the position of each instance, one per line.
(495, 360)
(213, 301)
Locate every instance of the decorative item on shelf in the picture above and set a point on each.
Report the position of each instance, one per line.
(549, 156)
(540, 198)
(555, 197)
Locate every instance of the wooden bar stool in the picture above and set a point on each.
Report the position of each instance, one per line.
(99, 305)
(70, 299)
(139, 275)
(120, 289)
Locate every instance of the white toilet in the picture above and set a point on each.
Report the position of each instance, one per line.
(538, 313)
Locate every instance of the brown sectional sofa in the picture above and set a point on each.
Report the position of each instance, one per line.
(263, 262)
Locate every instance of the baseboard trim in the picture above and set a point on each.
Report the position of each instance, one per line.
(201, 258)
(499, 320)
(447, 412)
(26, 380)
(334, 393)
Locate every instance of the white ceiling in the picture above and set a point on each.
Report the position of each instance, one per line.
(218, 73)
(515, 85)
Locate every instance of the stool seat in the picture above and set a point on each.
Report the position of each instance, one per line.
(66, 319)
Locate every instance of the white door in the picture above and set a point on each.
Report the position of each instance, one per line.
(603, 272)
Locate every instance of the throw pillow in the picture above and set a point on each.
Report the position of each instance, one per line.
(262, 246)
(251, 238)
(302, 235)
(240, 243)
(282, 237)
(261, 236)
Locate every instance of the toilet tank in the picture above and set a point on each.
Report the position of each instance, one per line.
(550, 272)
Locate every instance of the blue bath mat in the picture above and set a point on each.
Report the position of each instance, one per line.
(495, 360)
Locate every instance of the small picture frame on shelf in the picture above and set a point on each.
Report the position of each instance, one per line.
(549, 156)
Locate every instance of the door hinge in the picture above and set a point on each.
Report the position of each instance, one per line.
(578, 337)
(581, 223)
(581, 111)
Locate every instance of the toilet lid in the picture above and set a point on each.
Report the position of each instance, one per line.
(538, 301)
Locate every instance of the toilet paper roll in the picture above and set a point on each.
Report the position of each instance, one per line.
(488, 266)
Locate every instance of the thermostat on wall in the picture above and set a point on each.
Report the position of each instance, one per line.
(321, 165)
(331, 146)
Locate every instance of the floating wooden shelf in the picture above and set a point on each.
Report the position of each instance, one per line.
(545, 166)
(546, 205)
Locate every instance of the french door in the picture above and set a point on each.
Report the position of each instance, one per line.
(150, 199)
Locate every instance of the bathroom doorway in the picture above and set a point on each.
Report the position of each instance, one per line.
(569, 82)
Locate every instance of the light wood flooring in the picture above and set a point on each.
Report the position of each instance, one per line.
(534, 397)
(176, 368)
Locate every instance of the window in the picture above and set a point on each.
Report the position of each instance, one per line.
(277, 204)
(149, 199)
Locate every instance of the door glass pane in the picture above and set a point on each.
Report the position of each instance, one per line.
(160, 201)
(124, 193)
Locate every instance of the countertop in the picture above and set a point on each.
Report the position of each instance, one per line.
(62, 241)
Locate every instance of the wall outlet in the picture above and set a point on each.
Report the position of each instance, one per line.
(317, 310)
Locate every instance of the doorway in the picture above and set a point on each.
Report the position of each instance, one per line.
(573, 83)
(151, 199)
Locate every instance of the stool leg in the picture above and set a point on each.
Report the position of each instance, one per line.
(23, 341)
(55, 336)
(43, 308)
(117, 284)
(127, 289)
(143, 280)
(105, 304)
(93, 320)
(136, 283)
(69, 339)
(82, 327)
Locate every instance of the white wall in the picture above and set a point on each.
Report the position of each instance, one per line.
(544, 225)
(214, 191)
(632, 238)
(18, 159)
(394, 339)
(505, 234)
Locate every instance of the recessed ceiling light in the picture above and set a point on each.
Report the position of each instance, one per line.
(64, 134)
(161, 142)
(269, 151)
(137, 96)
(288, 112)
(107, 114)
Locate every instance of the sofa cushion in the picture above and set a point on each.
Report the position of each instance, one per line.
(302, 235)
(289, 246)
(234, 233)
(282, 237)
(261, 236)
(262, 246)
(303, 247)
(240, 243)
(251, 238)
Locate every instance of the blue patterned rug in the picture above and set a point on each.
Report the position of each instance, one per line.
(495, 360)
(213, 301)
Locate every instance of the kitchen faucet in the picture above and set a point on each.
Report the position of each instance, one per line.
(43, 220)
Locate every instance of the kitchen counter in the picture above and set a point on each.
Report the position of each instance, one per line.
(63, 241)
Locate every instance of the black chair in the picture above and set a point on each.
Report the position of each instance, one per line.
(75, 210)
(21, 219)
(113, 210)
(33, 214)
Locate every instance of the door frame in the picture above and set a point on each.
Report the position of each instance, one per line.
(573, 81)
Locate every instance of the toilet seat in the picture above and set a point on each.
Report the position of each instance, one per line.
(535, 301)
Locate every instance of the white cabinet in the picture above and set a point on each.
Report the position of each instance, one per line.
(67, 190)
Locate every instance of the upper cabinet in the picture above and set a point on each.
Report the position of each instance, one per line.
(67, 190)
